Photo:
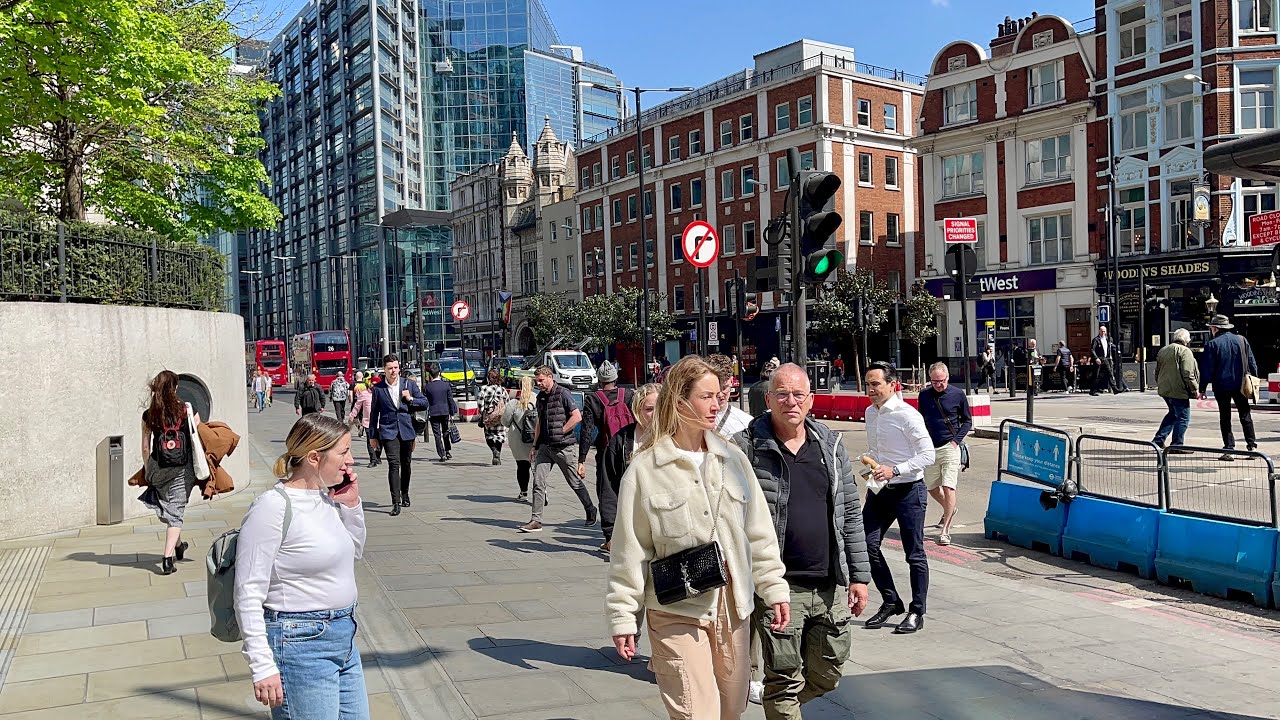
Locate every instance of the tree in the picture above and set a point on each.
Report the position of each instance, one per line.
(606, 319)
(835, 312)
(133, 108)
(551, 315)
(920, 317)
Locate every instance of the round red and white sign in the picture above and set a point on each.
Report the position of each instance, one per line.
(460, 310)
(701, 244)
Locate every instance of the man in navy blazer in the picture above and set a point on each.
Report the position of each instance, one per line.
(391, 425)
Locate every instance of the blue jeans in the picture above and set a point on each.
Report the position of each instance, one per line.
(262, 400)
(1175, 420)
(319, 665)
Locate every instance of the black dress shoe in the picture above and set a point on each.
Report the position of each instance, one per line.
(882, 615)
(912, 622)
(404, 500)
(395, 510)
(181, 549)
(166, 566)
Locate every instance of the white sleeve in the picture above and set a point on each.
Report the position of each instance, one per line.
(256, 549)
(353, 519)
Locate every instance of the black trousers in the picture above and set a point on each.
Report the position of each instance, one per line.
(1224, 418)
(440, 429)
(1104, 377)
(904, 504)
(340, 409)
(523, 469)
(607, 495)
(399, 458)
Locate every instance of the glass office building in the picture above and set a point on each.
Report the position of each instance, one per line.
(575, 95)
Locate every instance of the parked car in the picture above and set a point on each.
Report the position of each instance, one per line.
(451, 369)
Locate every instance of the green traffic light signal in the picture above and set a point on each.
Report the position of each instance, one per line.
(818, 222)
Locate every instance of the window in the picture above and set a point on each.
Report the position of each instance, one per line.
(599, 216)
(595, 174)
(555, 271)
(1133, 121)
(649, 257)
(1050, 239)
(588, 264)
(866, 228)
(617, 211)
(1133, 220)
(1047, 83)
(695, 193)
(1179, 111)
(804, 111)
(864, 113)
(679, 299)
(631, 161)
(552, 226)
(677, 249)
(1255, 15)
(980, 247)
(781, 117)
(806, 160)
(1259, 197)
(586, 177)
(648, 203)
(1049, 159)
(615, 169)
(1184, 234)
(746, 127)
(782, 175)
(962, 174)
(647, 156)
(586, 220)
(748, 237)
(891, 172)
(726, 185)
(864, 168)
(960, 103)
(728, 239)
(1177, 21)
(676, 198)
(1257, 99)
(635, 255)
(617, 258)
(695, 142)
(895, 281)
(890, 118)
(748, 180)
(673, 148)
(726, 133)
(1133, 31)
(570, 272)
(891, 236)
(631, 208)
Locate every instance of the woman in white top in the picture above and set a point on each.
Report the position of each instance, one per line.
(684, 484)
(513, 417)
(295, 579)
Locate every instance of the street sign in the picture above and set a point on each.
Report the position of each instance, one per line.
(960, 230)
(700, 243)
(460, 310)
(1036, 455)
(1264, 228)
(1104, 313)
(713, 333)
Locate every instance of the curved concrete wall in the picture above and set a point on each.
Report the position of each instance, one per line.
(71, 375)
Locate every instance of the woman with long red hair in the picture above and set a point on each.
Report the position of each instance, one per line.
(167, 447)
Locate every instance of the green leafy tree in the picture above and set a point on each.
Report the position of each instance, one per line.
(835, 312)
(919, 320)
(132, 108)
(614, 318)
(551, 315)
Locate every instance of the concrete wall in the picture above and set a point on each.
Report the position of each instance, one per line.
(72, 374)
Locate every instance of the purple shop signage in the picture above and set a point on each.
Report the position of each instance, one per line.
(1022, 281)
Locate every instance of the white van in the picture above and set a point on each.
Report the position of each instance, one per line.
(572, 369)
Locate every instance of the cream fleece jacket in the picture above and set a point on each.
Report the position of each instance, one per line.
(663, 508)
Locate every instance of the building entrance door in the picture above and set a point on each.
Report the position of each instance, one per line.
(1079, 335)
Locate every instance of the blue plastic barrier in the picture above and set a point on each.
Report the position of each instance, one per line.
(1218, 557)
(1112, 534)
(1275, 583)
(1014, 512)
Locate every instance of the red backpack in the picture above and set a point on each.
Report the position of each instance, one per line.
(616, 414)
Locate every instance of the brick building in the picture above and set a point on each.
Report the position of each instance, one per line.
(1005, 139)
(719, 154)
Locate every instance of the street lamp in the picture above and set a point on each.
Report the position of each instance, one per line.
(1211, 304)
(284, 294)
(1195, 79)
(253, 291)
(644, 228)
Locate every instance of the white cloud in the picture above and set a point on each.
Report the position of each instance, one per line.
(940, 3)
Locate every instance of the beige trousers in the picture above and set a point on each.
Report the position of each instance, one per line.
(703, 666)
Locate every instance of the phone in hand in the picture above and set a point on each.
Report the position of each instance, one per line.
(346, 481)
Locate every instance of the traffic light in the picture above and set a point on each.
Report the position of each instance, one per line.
(818, 222)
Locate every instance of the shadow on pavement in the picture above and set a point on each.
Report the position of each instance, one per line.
(487, 499)
(535, 546)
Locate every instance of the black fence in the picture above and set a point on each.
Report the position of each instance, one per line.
(1203, 482)
(46, 260)
(1128, 471)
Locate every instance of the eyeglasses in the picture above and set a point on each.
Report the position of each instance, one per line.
(939, 382)
(796, 397)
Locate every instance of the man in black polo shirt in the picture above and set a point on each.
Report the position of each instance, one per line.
(808, 481)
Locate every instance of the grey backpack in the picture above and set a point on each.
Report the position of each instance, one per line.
(220, 567)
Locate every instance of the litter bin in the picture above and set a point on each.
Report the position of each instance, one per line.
(111, 480)
(820, 376)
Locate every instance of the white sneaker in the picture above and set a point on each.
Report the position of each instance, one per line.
(756, 693)
(944, 539)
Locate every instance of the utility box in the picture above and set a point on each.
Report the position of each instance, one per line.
(820, 376)
(110, 480)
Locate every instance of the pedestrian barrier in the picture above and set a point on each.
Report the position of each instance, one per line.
(980, 407)
(1271, 393)
(468, 410)
(1027, 515)
(1200, 482)
(1114, 521)
(822, 406)
(1218, 558)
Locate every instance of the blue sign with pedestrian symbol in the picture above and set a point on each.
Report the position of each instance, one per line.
(1036, 455)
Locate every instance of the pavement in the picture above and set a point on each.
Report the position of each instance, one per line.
(462, 617)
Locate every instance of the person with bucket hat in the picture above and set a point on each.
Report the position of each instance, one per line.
(1226, 364)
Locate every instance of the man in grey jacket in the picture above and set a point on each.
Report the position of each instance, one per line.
(806, 475)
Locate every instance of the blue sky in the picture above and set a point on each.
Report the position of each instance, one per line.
(687, 42)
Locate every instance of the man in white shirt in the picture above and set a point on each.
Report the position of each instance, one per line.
(901, 448)
(732, 419)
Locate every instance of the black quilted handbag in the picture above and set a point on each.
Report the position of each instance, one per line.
(692, 571)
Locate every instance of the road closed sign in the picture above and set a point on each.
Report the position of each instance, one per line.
(700, 243)
(960, 230)
(1264, 228)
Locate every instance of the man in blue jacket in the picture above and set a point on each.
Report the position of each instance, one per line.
(945, 409)
(391, 425)
(1227, 357)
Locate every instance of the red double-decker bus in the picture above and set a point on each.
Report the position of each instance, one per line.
(327, 353)
(267, 355)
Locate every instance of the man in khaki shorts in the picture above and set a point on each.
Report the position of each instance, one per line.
(948, 419)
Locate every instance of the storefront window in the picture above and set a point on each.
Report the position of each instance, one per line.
(1183, 234)
(1015, 320)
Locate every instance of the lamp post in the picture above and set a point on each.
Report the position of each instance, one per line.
(644, 227)
(253, 291)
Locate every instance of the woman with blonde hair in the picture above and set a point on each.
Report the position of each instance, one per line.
(693, 543)
(520, 415)
(617, 454)
(295, 585)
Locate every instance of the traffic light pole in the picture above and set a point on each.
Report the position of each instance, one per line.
(964, 322)
(799, 321)
(1140, 347)
(739, 294)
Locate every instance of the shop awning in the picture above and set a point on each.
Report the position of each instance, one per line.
(1256, 157)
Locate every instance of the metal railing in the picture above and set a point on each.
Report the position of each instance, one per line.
(1200, 483)
(1002, 458)
(45, 260)
(1127, 471)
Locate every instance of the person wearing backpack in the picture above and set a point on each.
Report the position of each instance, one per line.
(604, 413)
(493, 400)
(170, 475)
(339, 391)
(295, 586)
(520, 416)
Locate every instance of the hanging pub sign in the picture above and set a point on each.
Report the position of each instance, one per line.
(1200, 202)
